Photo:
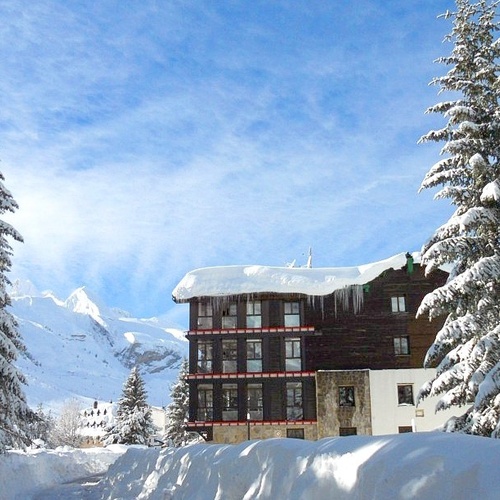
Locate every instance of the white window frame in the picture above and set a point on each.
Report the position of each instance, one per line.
(293, 362)
(254, 314)
(292, 313)
(398, 303)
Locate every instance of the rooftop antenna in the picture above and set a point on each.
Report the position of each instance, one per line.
(310, 259)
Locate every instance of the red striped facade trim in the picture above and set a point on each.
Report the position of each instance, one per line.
(249, 331)
(252, 375)
(253, 423)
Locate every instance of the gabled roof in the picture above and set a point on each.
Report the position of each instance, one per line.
(242, 280)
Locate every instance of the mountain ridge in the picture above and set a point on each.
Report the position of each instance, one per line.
(81, 348)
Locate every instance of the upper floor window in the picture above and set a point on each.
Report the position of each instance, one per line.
(401, 346)
(346, 396)
(205, 356)
(292, 314)
(254, 355)
(205, 314)
(205, 402)
(254, 314)
(255, 407)
(229, 356)
(293, 357)
(405, 394)
(398, 304)
(229, 315)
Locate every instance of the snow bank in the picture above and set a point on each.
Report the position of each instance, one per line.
(236, 280)
(410, 466)
(415, 466)
(24, 474)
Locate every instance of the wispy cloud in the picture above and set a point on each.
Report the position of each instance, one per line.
(141, 141)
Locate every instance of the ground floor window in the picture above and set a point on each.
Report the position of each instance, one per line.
(348, 431)
(205, 403)
(403, 429)
(255, 407)
(229, 402)
(294, 401)
(346, 395)
(405, 394)
(295, 433)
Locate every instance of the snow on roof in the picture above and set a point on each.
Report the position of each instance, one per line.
(237, 280)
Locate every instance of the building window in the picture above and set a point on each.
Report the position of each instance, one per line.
(254, 355)
(205, 314)
(405, 394)
(294, 401)
(230, 315)
(293, 359)
(205, 356)
(254, 314)
(254, 396)
(229, 355)
(403, 429)
(398, 304)
(229, 402)
(205, 403)
(346, 396)
(348, 431)
(292, 314)
(295, 433)
(401, 346)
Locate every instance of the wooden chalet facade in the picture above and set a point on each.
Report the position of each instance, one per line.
(296, 361)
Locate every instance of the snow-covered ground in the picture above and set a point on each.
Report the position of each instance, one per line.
(407, 466)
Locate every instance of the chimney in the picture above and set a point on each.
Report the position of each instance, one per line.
(409, 263)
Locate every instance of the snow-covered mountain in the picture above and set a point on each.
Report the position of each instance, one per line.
(80, 348)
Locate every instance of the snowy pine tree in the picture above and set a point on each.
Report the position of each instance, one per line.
(466, 350)
(133, 423)
(41, 425)
(15, 414)
(178, 410)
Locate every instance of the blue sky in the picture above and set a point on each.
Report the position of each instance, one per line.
(145, 139)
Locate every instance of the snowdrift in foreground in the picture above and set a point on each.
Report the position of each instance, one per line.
(23, 475)
(407, 466)
(410, 466)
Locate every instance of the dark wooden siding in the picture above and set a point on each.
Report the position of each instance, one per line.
(366, 340)
(309, 399)
(275, 362)
(274, 400)
(342, 340)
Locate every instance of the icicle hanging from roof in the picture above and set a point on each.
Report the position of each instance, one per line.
(342, 298)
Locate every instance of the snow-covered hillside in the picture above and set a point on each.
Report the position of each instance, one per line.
(79, 348)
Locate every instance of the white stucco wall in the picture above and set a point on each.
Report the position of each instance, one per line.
(388, 416)
(159, 418)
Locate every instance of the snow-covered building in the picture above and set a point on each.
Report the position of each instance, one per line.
(308, 352)
(101, 415)
(94, 421)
